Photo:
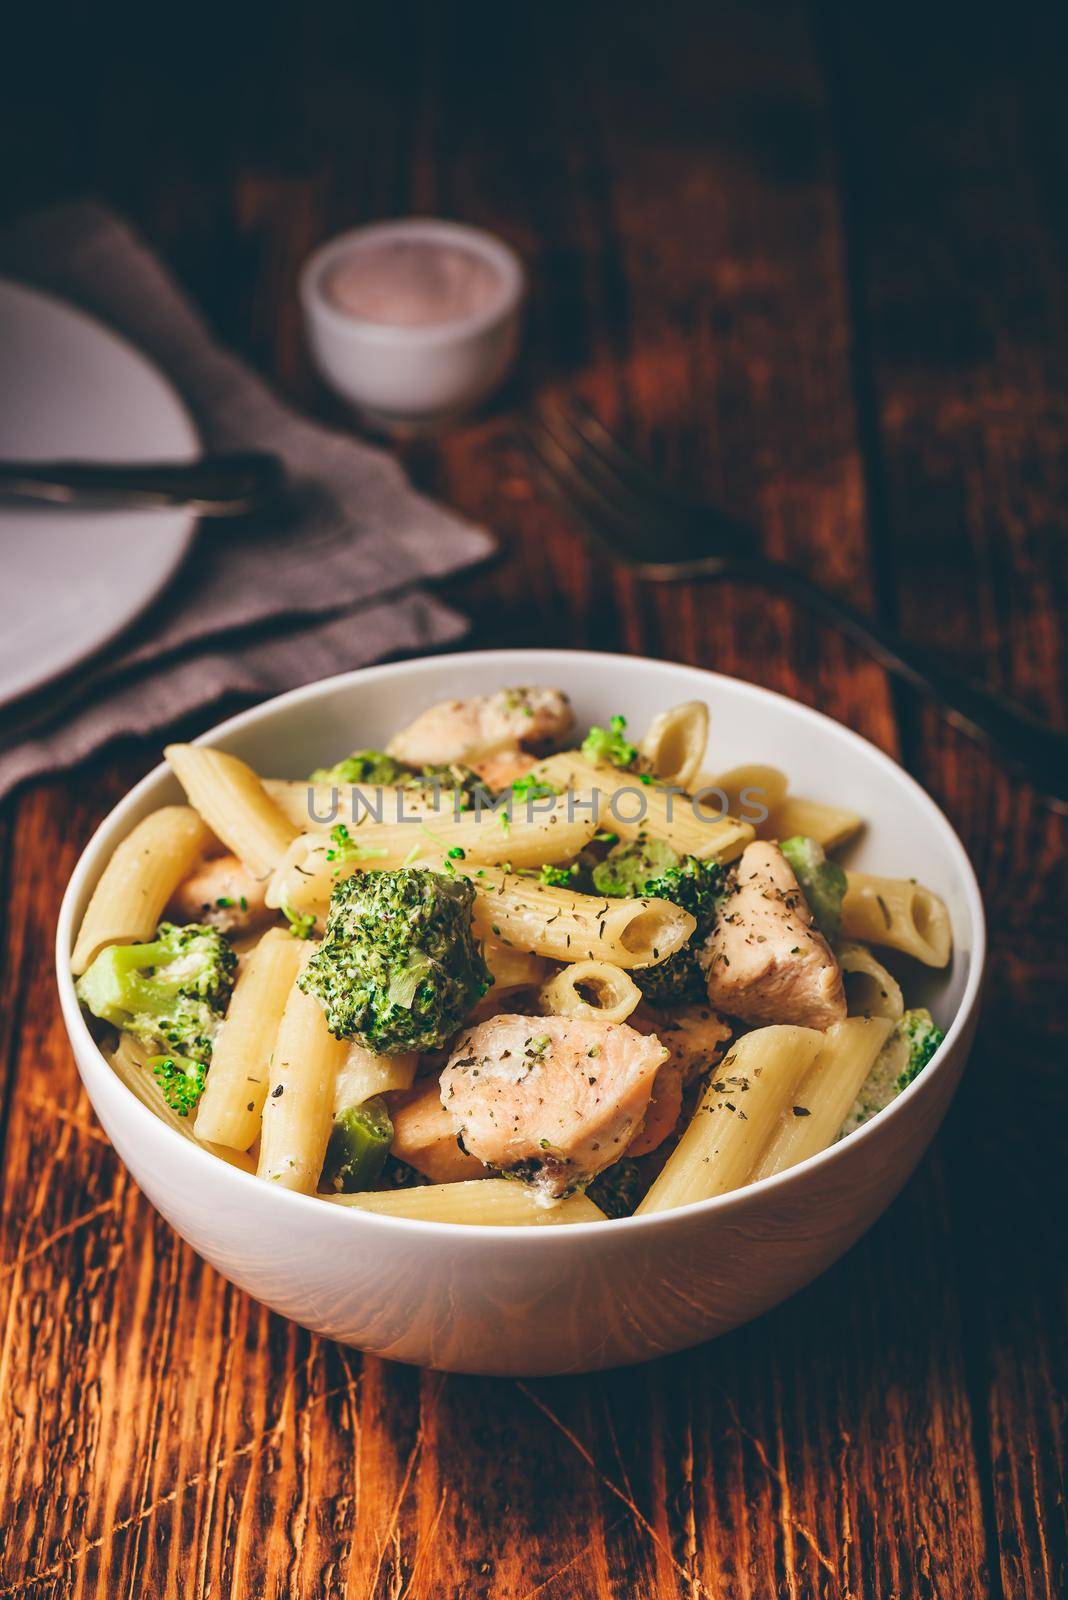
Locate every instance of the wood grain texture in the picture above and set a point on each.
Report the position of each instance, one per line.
(814, 266)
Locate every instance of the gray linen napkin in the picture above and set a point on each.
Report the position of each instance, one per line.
(352, 548)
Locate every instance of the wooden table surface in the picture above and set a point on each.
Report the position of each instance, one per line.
(817, 268)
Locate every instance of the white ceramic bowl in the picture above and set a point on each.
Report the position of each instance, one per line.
(410, 378)
(546, 1300)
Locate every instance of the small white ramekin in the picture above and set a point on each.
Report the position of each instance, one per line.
(409, 379)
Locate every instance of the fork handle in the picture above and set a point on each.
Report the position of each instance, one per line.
(1038, 750)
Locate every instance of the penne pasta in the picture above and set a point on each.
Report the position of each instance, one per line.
(871, 991)
(483, 1202)
(511, 968)
(231, 1106)
(312, 864)
(312, 806)
(299, 1110)
(138, 881)
(737, 1117)
(233, 802)
(824, 1094)
(631, 809)
(830, 826)
(363, 1074)
(591, 989)
(751, 792)
(898, 913)
(568, 926)
(675, 744)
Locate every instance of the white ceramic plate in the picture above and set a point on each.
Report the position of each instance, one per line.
(541, 1300)
(70, 388)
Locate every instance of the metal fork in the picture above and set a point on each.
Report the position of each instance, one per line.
(664, 537)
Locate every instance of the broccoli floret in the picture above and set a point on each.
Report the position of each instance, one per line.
(628, 867)
(907, 1051)
(457, 780)
(181, 1080)
(170, 995)
(922, 1036)
(398, 967)
(529, 787)
(618, 1189)
(364, 766)
(823, 882)
(700, 887)
(559, 877)
(576, 875)
(651, 869)
(379, 770)
(610, 745)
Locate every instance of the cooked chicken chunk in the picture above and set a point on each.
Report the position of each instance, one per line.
(551, 1099)
(695, 1038)
(765, 960)
(694, 1035)
(224, 894)
(424, 1135)
(503, 767)
(662, 1114)
(467, 731)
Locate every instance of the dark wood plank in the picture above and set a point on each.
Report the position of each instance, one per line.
(955, 190)
(687, 194)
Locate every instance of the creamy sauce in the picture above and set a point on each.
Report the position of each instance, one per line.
(413, 283)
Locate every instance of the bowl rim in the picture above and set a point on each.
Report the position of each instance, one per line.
(360, 330)
(523, 1233)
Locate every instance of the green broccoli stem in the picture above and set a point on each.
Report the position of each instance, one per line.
(359, 1144)
(115, 988)
(821, 881)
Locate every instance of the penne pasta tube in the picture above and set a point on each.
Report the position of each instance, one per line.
(362, 1075)
(824, 1094)
(898, 913)
(870, 990)
(632, 809)
(232, 801)
(591, 989)
(313, 863)
(484, 1202)
(830, 826)
(299, 1110)
(568, 926)
(675, 744)
(737, 1117)
(231, 1106)
(311, 806)
(135, 886)
(513, 969)
(752, 792)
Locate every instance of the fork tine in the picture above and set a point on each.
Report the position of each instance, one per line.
(600, 517)
(629, 468)
(663, 525)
